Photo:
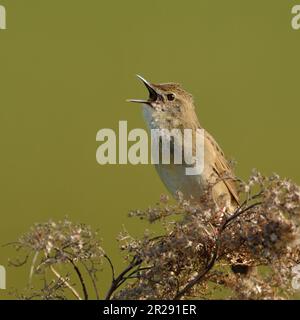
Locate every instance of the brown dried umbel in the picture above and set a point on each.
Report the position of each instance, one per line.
(193, 257)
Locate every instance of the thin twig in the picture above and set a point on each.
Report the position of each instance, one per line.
(120, 278)
(32, 265)
(111, 266)
(93, 279)
(199, 277)
(85, 293)
(76, 294)
(238, 213)
(138, 270)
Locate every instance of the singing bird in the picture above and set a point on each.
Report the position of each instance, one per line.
(169, 106)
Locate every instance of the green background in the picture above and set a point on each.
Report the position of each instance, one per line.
(67, 67)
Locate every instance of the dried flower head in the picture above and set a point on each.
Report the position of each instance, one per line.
(248, 254)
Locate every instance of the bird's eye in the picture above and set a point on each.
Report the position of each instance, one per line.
(171, 96)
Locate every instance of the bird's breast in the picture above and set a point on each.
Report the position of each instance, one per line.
(173, 175)
(175, 179)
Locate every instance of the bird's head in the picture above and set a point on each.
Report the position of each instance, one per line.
(168, 104)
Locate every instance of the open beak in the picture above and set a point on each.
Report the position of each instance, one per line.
(153, 95)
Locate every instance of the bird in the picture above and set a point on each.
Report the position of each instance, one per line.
(169, 106)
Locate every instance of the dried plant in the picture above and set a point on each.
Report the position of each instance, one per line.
(51, 245)
(203, 250)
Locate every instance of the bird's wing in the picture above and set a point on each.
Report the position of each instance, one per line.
(223, 169)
